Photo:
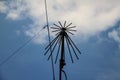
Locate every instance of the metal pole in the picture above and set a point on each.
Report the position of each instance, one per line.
(62, 61)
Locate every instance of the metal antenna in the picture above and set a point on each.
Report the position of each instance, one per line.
(48, 30)
(62, 37)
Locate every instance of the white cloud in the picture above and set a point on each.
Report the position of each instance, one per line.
(90, 16)
(2, 7)
(13, 10)
(115, 35)
(37, 30)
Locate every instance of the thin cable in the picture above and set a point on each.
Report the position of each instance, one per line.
(17, 50)
(65, 74)
(49, 39)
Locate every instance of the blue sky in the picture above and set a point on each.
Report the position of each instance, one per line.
(97, 36)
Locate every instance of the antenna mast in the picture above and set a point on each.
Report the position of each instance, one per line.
(62, 37)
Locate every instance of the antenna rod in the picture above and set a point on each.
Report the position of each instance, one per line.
(62, 60)
(53, 72)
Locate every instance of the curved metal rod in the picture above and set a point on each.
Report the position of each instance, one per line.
(65, 74)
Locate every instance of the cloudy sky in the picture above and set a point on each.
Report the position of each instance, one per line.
(97, 36)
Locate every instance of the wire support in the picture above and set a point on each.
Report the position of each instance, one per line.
(17, 50)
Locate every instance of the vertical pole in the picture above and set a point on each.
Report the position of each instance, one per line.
(62, 61)
(49, 39)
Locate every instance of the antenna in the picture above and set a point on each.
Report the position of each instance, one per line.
(47, 21)
(62, 38)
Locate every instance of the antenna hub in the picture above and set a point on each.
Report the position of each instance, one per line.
(63, 29)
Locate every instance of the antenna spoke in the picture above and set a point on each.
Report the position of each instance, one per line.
(54, 28)
(71, 27)
(50, 47)
(60, 23)
(72, 48)
(69, 51)
(57, 33)
(70, 32)
(58, 51)
(68, 25)
(57, 25)
(74, 44)
(64, 23)
(53, 48)
(52, 42)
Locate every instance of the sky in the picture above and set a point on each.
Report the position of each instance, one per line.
(98, 38)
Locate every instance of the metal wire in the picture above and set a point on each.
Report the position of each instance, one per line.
(17, 50)
(65, 74)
